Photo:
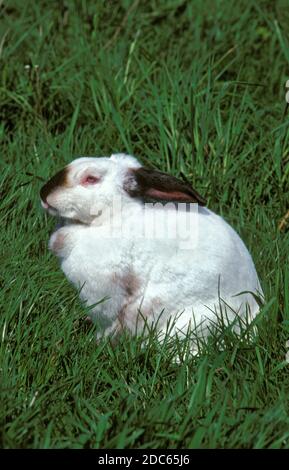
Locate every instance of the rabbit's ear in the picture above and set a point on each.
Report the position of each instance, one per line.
(153, 184)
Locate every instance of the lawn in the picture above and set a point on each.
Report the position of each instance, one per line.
(189, 87)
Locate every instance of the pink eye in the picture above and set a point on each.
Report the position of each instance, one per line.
(89, 179)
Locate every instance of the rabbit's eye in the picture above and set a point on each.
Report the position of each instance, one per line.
(89, 179)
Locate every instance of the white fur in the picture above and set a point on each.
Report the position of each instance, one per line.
(136, 274)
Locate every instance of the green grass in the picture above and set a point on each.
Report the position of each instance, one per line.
(194, 87)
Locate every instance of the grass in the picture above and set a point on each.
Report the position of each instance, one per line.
(192, 87)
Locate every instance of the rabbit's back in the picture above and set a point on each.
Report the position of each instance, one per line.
(216, 266)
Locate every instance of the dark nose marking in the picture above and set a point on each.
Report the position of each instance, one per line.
(60, 179)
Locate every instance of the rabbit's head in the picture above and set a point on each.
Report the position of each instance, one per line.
(84, 188)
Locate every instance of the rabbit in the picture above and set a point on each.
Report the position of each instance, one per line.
(145, 250)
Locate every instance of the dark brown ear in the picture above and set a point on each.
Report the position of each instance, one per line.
(154, 184)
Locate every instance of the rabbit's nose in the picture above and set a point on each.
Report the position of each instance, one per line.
(45, 205)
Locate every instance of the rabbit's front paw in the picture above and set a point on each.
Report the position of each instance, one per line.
(60, 242)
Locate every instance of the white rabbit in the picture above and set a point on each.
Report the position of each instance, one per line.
(148, 263)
